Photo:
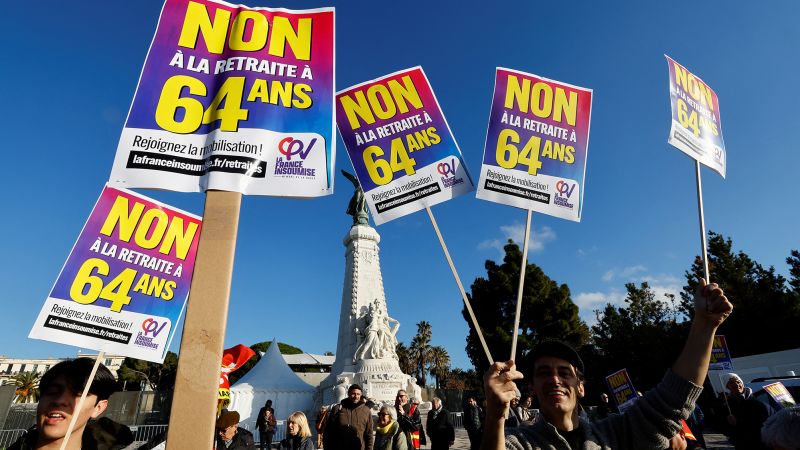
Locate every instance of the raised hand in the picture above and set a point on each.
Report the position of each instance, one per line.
(710, 304)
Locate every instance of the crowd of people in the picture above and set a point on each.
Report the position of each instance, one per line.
(666, 417)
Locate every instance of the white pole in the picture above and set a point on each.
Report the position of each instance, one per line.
(523, 266)
(77, 411)
(460, 286)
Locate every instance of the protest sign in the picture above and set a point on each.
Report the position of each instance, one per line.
(780, 394)
(401, 147)
(622, 389)
(233, 98)
(125, 283)
(536, 144)
(696, 124)
(720, 356)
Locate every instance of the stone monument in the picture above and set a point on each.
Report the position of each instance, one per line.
(365, 350)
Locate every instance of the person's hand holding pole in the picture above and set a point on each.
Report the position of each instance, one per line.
(711, 308)
(500, 389)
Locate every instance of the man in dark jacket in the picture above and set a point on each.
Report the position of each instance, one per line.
(440, 429)
(472, 423)
(349, 425)
(266, 423)
(230, 436)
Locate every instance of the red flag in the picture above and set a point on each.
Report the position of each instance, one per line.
(687, 433)
(232, 359)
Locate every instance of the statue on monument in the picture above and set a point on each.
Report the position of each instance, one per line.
(358, 205)
(379, 339)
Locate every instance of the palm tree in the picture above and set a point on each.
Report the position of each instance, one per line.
(420, 350)
(439, 364)
(404, 358)
(27, 387)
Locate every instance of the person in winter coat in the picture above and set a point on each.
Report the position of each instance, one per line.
(230, 436)
(349, 425)
(266, 423)
(409, 419)
(388, 434)
(472, 423)
(440, 429)
(747, 415)
(298, 434)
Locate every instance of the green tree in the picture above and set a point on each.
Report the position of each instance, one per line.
(465, 380)
(760, 298)
(27, 387)
(547, 310)
(420, 350)
(439, 364)
(643, 336)
(260, 348)
(404, 359)
(794, 270)
(157, 376)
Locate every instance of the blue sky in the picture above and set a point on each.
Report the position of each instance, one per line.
(70, 73)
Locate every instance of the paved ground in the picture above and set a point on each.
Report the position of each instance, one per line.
(714, 441)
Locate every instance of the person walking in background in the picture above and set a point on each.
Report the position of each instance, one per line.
(230, 436)
(472, 423)
(409, 419)
(266, 424)
(349, 425)
(388, 433)
(605, 407)
(322, 417)
(298, 434)
(440, 429)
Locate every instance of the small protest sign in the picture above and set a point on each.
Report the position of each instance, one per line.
(536, 144)
(696, 124)
(720, 356)
(780, 394)
(125, 283)
(622, 389)
(233, 98)
(400, 144)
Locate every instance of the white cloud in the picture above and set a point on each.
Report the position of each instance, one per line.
(516, 232)
(660, 284)
(588, 302)
(626, 273)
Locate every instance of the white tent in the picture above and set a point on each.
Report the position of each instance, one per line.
(271, 379)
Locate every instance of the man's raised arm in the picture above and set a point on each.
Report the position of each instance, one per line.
(711, 308)
(499, 386)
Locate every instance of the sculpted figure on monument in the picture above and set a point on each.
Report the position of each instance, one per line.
(379, 337)
(358, 205)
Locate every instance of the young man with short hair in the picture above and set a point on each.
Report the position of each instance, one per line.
(558, 384)
(60, 390)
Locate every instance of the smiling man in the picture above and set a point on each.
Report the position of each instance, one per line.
(557, 381)
(60, 389)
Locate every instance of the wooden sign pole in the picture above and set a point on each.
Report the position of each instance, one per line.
(194, 405)
(521, 287)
